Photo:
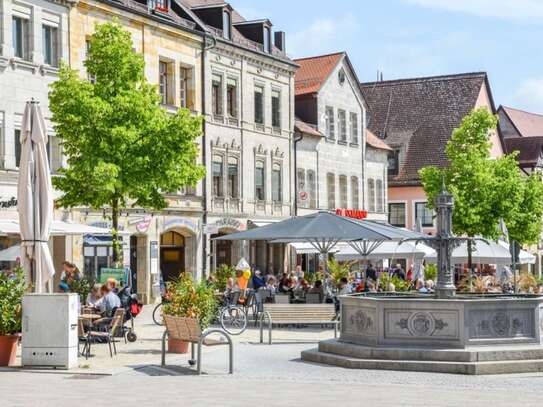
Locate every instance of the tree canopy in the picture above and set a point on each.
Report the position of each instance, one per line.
(122, 147)
(486, 190)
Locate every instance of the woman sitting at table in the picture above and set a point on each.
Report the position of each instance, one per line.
(108, 302)
(94, 296)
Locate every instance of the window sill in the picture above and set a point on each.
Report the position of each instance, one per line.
(342, 142)
(352, 144)
(276, 130)
(20, 62)
(49, 69)
(330, 140)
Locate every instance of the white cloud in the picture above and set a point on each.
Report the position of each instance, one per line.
(520, 10)
(321, 36)
(529, 96)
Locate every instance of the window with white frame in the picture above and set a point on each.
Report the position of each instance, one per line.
(354, 193)
(50, 45)
(379, 194)
(331, 189)
(371, 195)
(54, 153)
(343, 195)
(259, 104)
(165, 81)
(276, 108)
(232, 98)
(21, 37)
(396, 214)
(216, 95)
(218, 177)
(267, 40)
(91, 78)
(312, 188)
(226, 29)
(425, 214)
(277, 183)
(329, 122)
(233, 177)
(354, 128)
(184, 80)
(342, 123)
(260, 176)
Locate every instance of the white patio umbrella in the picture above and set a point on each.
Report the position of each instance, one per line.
(483, 253)
(35, 199)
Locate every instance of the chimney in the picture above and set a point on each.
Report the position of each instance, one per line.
(280, 40)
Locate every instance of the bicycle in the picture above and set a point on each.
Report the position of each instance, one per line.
(233, 317)
(157, 313)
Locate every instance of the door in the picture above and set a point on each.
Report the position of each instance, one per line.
(172, 256)
(134, 263)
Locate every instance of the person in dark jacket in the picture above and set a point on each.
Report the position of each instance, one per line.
(258, 280)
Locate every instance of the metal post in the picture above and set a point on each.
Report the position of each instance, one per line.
(444, 203)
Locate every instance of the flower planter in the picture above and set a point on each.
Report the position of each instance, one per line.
(177, 346)
(8, 349)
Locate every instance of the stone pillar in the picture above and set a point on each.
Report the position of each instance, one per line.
(444, 203)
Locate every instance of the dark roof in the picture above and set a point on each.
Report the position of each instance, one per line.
(530, 149)
(527, 124)
(421, 114)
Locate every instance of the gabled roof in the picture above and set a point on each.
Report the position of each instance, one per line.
(420, 114)
(314, 71)
(530, 149)
(527, 124)
(373, 141)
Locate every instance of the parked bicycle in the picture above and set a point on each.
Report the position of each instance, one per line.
(232, 316)
(157, 312)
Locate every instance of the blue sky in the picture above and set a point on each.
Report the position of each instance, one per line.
(409, 38)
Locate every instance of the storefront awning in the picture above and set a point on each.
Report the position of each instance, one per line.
(260, 223)
(58, 228)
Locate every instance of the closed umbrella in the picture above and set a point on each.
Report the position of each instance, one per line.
(35, 199)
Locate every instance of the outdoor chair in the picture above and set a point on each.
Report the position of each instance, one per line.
(282, 298)
(313, 298)
(189, 330)
(109, 335)
(83, 338)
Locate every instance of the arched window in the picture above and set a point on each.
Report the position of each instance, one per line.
(354, 192)
(331, 188)
(371, 195)
(260, 175)
(172, 239)
(233, 177)
(312, 189)
(218, 179)
(379, 194)
(343, 196)
(277, 184)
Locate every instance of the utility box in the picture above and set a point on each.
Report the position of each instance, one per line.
(50, 335)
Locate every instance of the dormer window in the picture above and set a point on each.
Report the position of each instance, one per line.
(226, 24)
(267, 40)
(159, 5)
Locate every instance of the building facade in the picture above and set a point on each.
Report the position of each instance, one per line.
(416, 118)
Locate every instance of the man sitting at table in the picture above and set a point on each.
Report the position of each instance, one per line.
(108, 302)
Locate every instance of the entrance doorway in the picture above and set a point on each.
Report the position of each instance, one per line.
(172, 256)
(134, 263)
(223, 251)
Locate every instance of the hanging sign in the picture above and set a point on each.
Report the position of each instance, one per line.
(352, 213)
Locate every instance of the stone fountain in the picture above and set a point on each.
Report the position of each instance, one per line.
(445, 332)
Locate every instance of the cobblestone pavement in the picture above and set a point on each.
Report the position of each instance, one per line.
(264, 375)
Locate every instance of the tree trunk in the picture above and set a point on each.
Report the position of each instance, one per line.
(117, 249)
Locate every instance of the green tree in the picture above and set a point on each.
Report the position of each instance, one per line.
(486, 190)
(123, 149)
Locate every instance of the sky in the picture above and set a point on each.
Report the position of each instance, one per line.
(413, 38)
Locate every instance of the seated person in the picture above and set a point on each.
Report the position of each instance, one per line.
(270, 285)
(94, 296)
(108, 302)
(112, 284)
(317, 288)
(344, 287)
(258, 280)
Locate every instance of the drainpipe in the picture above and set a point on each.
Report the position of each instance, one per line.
(205, 48)
(296, 141)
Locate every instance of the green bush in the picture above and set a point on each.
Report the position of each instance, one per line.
(221, 276)
(338, 270)
(12, 289)
(81, 287)
(191, 300)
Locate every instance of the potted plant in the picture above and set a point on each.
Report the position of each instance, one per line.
(188, 299)
(12, 289)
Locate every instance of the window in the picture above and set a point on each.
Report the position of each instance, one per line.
(259, 181)
(259, 104)
(233, 183)
(331, 187)
(371, 195)
(277, 184)
(172, 239)
(354, 128)
(354, 192)
(396, 214)
(231, 98)
(343, 197)
(91, 78)
(276, 109)
(21, 38)
(393, 162)
(312, 189)
(425, 214)
(164, 73)
(267, 40)
(330, 127)
(379, 193)
(217, 169)
(226, 25)
(216, 95)
(161, 5)
(184, 77)
(50, 45)
(300, 187)
(17, 137)
(342, 123)
(189, 190)
(54, 153)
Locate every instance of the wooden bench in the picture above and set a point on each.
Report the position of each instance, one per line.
(189, 330)
(294, 314)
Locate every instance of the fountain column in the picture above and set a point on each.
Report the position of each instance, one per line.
(444, 244)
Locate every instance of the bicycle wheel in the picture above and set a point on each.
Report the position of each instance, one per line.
(233, 320)
(157, 315)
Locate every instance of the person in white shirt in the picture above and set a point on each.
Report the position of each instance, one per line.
(108, 302)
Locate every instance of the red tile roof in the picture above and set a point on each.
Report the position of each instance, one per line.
(528, 124)
(314, 71)
(375, 142)
(305, 128)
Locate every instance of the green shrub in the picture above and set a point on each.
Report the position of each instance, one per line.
(338, 270)
(81, 287)
(12, 289)
(221, 276)
(430, 272)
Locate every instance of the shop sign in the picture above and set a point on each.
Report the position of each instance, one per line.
(211, 229)
(181, 223)
(105, 225)
(230, 223)
(352, 213)
(8, 203)
(142, 223)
